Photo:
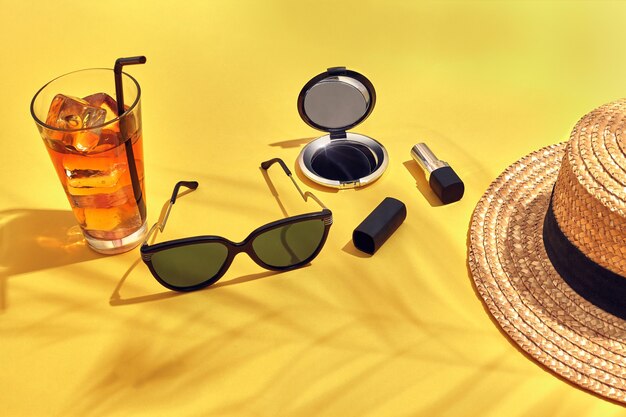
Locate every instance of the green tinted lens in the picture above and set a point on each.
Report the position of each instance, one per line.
(186, 266)
(290, 244)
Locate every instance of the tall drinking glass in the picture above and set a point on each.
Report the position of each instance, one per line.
(97, 154)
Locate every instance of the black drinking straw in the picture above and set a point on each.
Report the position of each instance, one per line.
(119, 95)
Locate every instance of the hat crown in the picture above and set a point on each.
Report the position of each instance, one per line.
(589, 200)
(597, 151)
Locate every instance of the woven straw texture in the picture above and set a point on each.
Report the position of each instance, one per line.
(589, 198)
(511, 269)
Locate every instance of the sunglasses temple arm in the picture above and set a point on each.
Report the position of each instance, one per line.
(159, 226)
(265, 165)
(153, 229)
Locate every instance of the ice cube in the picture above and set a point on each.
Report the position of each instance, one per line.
(112, 223)
(109, 139)
(104, 101)
(93, 178)
(68, 112)
(86, 140)
(85, 175)
(115, 198)
(99, 219)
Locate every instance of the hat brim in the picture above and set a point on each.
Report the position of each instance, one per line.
(526, 296)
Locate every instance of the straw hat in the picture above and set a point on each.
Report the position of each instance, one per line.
(547, 252)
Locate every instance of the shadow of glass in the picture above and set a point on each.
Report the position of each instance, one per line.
(422, 183)
(34, 240)
(292, 143)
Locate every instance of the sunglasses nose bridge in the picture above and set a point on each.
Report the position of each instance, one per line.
(244, 247)
(238, 247)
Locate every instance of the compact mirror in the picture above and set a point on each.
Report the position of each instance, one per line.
(334, 102)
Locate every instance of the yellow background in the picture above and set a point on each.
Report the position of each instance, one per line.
(401, 333)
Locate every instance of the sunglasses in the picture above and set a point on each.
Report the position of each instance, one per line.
(196, 262)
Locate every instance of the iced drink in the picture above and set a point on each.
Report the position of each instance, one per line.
(87, 141)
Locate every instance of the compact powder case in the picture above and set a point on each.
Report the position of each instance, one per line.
(335, 101)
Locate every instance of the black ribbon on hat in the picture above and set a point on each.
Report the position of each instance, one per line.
(593, 282)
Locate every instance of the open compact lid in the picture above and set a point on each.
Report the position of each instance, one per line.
(335, 101)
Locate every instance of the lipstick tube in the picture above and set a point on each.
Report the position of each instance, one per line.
(444, 182)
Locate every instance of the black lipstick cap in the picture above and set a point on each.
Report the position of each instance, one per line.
(446, 184)
(370, 235)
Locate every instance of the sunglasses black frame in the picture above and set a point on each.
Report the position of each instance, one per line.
(233, 248)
